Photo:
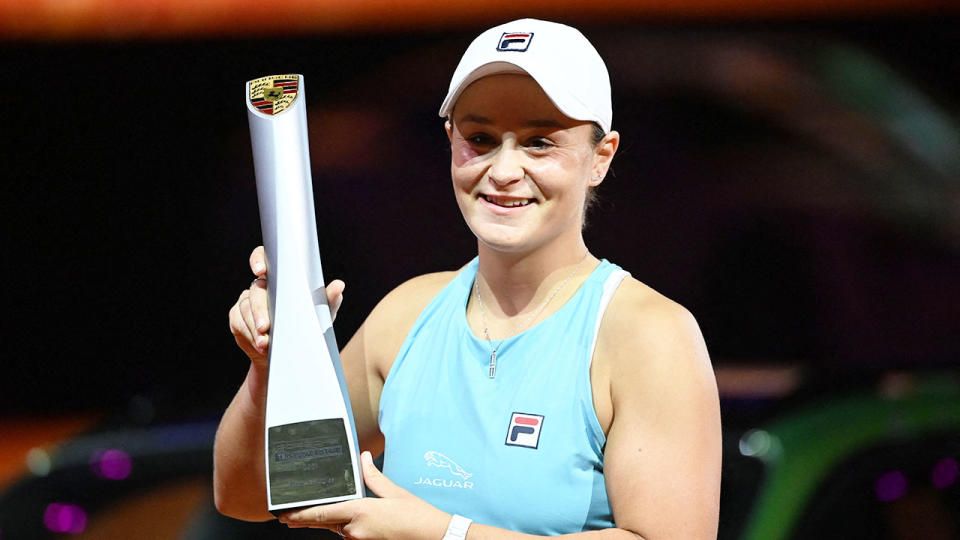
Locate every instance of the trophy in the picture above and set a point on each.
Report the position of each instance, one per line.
(310, 440)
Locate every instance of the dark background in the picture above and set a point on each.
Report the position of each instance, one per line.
(795, 182)
(780, 179)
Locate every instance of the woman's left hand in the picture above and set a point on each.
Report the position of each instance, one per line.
(397, 514)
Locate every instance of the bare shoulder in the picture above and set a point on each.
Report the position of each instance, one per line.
(408, 299)
(391, 320)
(647, 314)
(648, 339)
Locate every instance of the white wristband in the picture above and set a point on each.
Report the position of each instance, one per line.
(457, 529)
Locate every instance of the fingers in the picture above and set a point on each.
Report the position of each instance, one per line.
(258, 261)
(253, 309)
(259, 310)
(259, 317)
(241, 330)
(335, 296)
(377, 481)
(250, 317)
(327, 516)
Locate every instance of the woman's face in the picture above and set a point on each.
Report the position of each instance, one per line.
(520, 167)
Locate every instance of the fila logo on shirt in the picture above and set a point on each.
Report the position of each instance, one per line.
(515, 41)
(524, 430)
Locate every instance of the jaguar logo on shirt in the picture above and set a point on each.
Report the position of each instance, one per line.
(524, 430)
(436, 459)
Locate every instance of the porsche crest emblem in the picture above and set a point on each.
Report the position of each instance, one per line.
(274, 94)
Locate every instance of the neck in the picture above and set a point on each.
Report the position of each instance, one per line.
(516, 282)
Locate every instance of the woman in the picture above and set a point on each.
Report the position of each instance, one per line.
(537, 390)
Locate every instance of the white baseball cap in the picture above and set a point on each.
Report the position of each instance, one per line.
(557, 56)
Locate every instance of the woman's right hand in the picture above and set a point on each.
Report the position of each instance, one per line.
(250, 316)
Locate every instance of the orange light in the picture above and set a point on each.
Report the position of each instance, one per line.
(138, 19)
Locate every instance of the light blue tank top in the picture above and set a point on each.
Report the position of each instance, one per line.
(522, 451)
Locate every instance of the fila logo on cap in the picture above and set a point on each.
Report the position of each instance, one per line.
(515, 41)
(524, 430)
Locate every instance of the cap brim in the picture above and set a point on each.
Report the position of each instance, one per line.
(565, 103)
(490, 68)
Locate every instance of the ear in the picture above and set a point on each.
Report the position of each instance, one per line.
(449, 129)
(603, 156)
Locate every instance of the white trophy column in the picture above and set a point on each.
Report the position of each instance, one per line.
(305, 377)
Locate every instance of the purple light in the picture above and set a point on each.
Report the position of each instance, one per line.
(944, 473)
(111, 464)
(890, 486)
(65, 518)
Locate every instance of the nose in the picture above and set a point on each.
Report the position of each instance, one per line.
(507, 165)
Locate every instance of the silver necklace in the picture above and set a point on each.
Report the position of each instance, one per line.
(492, 368)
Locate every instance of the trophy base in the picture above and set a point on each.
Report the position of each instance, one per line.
(309, 462)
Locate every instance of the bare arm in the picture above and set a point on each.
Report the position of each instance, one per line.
(663, 454)
(238, 471)
(239, 478)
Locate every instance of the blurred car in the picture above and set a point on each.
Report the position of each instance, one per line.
(878, 464)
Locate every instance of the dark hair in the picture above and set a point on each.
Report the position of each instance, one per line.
(598, 134)
(591, 198)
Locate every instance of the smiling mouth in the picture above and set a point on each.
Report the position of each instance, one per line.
(506, 202)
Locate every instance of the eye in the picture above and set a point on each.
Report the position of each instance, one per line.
(480, 139)
(539, 143)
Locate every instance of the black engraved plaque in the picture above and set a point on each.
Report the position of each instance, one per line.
(309, 460)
